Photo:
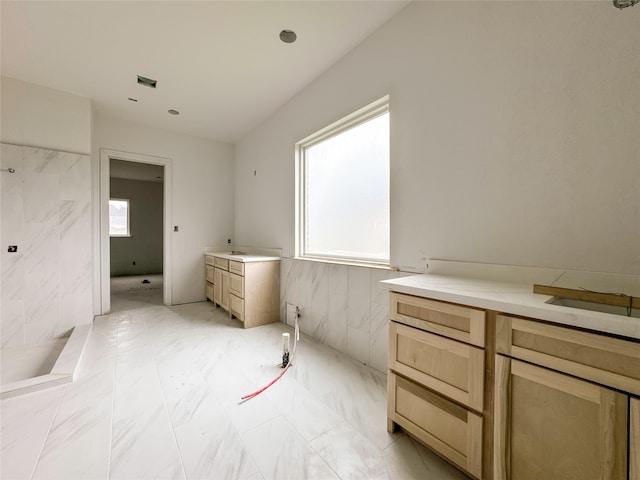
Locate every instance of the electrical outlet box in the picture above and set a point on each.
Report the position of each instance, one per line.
(293, 312)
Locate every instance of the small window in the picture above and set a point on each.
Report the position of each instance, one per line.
(343, 189)
(119, 217)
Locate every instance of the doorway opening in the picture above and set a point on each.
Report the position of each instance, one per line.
(135, 225)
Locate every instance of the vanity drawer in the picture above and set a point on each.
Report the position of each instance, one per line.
(454, 321)
(236, 267)
(236, 307)
(452, 368)
(447, 428)
(209, 269)
(221, 263)
(209, 259)
(236, 285)
(605, 360)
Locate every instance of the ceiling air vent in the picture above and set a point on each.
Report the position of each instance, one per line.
(147, 82)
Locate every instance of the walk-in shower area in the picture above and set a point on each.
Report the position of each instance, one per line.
(46, 265)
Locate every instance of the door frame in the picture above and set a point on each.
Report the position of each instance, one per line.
(106, 155)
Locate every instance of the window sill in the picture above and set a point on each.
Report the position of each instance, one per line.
(377, 266)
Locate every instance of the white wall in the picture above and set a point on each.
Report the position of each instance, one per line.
(46, 211)
(514, 136)
(202, 194)
(41, 117)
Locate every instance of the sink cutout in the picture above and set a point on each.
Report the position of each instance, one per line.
(594, 307)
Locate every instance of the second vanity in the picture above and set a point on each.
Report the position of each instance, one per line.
(505, 385)
(246, 285)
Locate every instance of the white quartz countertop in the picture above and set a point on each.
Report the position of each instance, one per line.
(245, 258)
(513, 298)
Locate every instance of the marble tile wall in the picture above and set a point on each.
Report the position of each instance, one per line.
(46, 212)
(342, 306)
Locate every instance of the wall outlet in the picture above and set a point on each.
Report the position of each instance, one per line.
(228, 240)
(293, 312)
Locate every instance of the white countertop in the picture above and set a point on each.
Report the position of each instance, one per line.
(243, 258)
(517, 299)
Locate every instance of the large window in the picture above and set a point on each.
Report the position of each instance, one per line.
(119, 217)
(343, 189)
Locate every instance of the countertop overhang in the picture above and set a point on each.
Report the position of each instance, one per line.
(512, 298)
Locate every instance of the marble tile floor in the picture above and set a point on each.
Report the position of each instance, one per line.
(128, 292)
(158, 396)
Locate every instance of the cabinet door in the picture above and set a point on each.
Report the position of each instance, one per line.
(634, 438)
(217, 286)
(224, 297)
(550, 425)
(221, 288)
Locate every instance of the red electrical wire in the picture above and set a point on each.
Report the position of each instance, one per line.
(258, 392)
(293, 354)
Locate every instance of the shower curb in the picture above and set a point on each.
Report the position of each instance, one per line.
(64, 370)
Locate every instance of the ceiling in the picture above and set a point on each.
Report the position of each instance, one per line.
(136, 171)
(221, 64)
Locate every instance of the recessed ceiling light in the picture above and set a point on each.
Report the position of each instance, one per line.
(132, 99)
(174, 112)
(147, 82)
(288, 36)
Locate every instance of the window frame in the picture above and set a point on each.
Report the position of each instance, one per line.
(353, 120)
(128, 234)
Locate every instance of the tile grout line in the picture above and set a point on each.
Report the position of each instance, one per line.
(235, 429)
(319, 454)
(166, 408)
(173, 429)
(113, 394)
(46, 437)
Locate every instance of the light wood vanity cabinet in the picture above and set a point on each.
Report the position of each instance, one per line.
(566, 404)
(436, 380)
(510, 398)
(249, 291)
(254, 292)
